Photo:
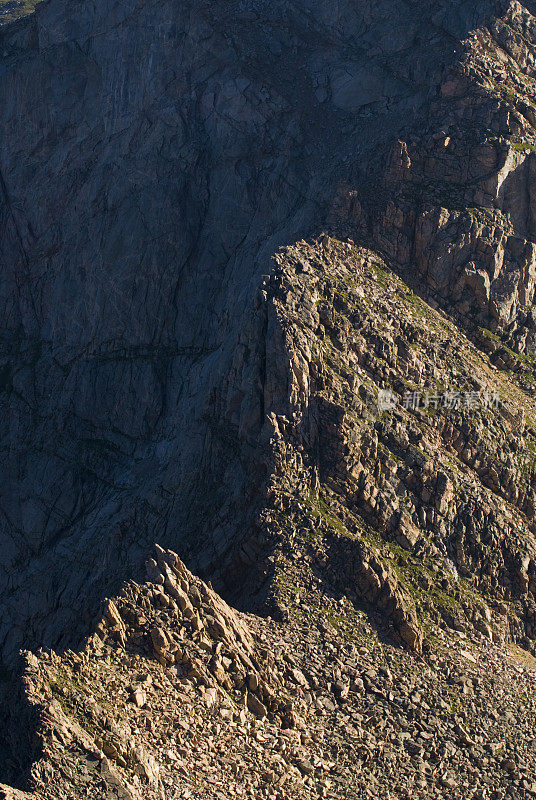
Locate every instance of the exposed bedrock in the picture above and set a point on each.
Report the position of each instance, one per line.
(153, 157)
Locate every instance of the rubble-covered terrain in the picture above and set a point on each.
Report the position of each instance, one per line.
(426, 508)
(268, 363)
(397, 657)
(178, 696)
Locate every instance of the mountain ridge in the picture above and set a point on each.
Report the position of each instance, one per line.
(228, 230)
(101, 314)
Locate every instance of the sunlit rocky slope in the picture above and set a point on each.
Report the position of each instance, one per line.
(268, 280)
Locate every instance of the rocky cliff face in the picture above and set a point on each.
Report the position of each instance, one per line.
(153, 157)
(230, 232)
(457, 210)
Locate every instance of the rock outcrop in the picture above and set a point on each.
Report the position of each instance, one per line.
(267, 299)
(152, 160)
(456, 210)
(166, 702)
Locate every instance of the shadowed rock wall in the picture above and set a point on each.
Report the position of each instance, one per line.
(153, 156)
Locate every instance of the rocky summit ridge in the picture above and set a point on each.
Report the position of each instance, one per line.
(176, 695)
(268, 301)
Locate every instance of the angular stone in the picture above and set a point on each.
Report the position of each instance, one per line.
(255, 706)
(160, 640)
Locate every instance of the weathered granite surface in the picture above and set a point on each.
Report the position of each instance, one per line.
(153, 157)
